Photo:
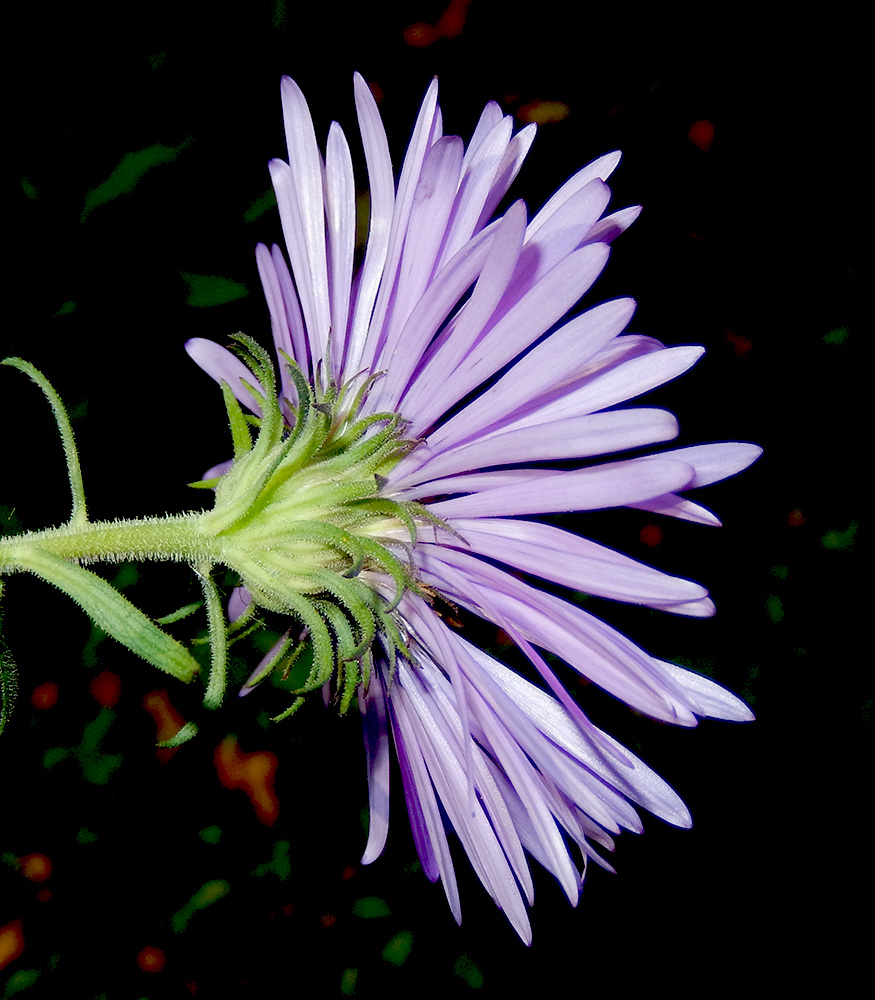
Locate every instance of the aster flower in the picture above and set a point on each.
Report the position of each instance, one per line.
(422, 398)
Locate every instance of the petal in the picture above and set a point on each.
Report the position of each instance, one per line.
(341, 221)
(224, 366)
(530, 440)
(376, 736)
(573, 561)
(614, 484)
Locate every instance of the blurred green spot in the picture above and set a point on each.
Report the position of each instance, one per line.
(157, 61)
(66, 308)
(370, 907)
(130, 170)
(127, 576)
(840, 540)
(398, 949)
(348, 982)
(209, 893)
(837, 336)
(211, 834)
(467, 970)
(775, 608)
(212, 289)
(85, 836)
(28, 189)
(54, 756)
(23, 979)
(97, 767)
(280, 864)
(266, 203)
(279, 13)
(781, 572)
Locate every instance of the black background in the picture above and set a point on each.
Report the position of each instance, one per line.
(746, 248)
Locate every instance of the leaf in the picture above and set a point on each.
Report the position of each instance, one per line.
(109, 610)
(8, 678)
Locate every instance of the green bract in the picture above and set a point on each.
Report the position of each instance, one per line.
(299, 517)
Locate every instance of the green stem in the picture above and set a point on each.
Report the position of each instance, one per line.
(179, 538)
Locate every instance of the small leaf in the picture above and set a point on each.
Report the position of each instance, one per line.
(110, 611)
(184, 612)
(188, 732)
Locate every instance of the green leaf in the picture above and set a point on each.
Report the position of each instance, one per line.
(186, 733)
(110, 611)
(74, 473)
(8, 678)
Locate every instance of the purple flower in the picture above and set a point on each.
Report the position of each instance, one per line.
(451, 322)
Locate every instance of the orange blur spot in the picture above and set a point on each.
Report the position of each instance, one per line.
(650, 535)
(449, 25)
(253, 773)
(702, 134)
(106, 688)
(11, 942)
(543, 112)
(151, 959)
(45, 696)
(328, 920)
(167, 718)
(35, 867)
(795, 519)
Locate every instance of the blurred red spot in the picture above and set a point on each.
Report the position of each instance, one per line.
(167, 719)
(449, 25)
(650, 535)
(11, 942)
(106, 688)
(253, 773)
(328, 920)
(151, 959)
(35, 867)
(702, 134)
(795, 519)
(44, 895)
(348, 873)
(288, 910)
(740, 344)
(45, 696)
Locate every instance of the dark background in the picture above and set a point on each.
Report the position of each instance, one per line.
(746, 247)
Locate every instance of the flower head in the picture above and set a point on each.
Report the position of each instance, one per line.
(423, 397)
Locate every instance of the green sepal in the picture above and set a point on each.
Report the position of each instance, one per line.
(218, 640)
(109, 610)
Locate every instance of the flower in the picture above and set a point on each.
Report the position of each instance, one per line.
(445, 342)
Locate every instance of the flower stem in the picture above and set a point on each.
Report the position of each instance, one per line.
(177, 538)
